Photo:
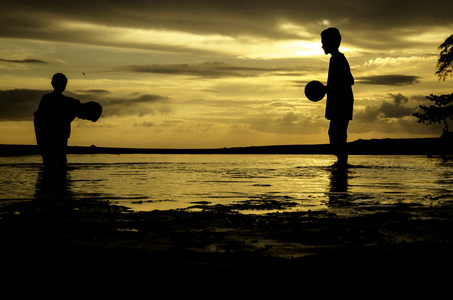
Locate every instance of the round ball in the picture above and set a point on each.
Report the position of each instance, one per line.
(90, 111)
(315, 90)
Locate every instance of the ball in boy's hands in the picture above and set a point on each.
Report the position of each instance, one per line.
(90, 111)
(315, 90)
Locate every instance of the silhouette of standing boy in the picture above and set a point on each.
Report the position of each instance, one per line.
(52, 123)
(340, 99)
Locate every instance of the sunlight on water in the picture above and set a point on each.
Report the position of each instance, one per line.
(244, 183)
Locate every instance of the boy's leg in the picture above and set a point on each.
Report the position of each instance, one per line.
(60, 152)
(338, 140)
(54, 153)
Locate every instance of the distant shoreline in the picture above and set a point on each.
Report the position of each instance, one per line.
(419, 146)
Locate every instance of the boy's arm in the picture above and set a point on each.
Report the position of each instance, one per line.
(349, 74)
(339, 75)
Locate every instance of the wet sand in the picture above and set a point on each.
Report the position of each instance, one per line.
(88, 247)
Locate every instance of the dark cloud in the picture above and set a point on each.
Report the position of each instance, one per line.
(135, 105)
(391, 110)
(388, 79)
(300, 83)
(208, 70)
(419, 98)
(391, 116)
(20, 104)
(368, 114)
(23, 61)
(395, 109)
(138, 106)
(94, 92)
(398, 99)
(399, 126)
(145, 124)
(369, 24)
(225, 103)
(143, 99)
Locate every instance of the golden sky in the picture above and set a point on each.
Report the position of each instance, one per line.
(203, 74)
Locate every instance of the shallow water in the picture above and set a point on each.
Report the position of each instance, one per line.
(246, 183)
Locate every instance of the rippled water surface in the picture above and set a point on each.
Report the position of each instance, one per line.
(246, 183)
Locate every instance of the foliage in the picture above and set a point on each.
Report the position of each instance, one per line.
(445, 62)
(442, 110)
(437, 113)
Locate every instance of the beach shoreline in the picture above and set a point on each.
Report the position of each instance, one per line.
(398, 249)
(388, 146)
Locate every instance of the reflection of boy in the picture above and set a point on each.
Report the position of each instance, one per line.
(340, 99)
(53, 122)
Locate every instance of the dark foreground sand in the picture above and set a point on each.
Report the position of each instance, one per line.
(93, 249)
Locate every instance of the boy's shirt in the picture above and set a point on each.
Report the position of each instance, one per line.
(54, 116)
(340, 99)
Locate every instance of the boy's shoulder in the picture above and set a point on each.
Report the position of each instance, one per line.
(338, 56)
(52, 99)
(339, 59)
(70, 99)
(59, 97)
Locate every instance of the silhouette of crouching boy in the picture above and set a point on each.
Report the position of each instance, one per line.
(52, 122)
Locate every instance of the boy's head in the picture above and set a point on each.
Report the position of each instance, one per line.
(59, 82)
(330, 39)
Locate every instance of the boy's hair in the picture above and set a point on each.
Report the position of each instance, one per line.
(333, 35)
(59, 80)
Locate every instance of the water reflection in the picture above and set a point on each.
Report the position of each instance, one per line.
(338, 189)
(445, 175)
(148, 182)
(53, 184)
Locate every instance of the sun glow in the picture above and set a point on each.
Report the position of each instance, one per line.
(240, 46)
(130, 37)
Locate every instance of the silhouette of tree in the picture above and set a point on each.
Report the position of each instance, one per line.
(445, 62)
(442, 110)
(437, 113)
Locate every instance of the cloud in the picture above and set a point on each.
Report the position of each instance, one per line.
(400, 127)
(395, 109)
(368, 24)
(390, 110)
(289, 119)
(223, 103)
(388, 79)
(398, 99)
(368, 114)
(392, 116)
(393, 62)
(216, 69)
(290, 123)
(143, 99)
(20, 104)
(94, 92)
(23, 61)
(139, 106)
(144, 124)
